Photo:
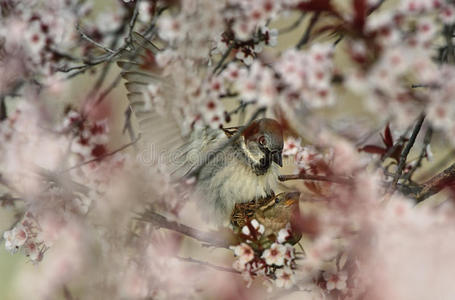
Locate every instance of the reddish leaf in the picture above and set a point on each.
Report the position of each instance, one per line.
(360, 12)
(388, 138)
(316, 5)
(396, 154)
(373, 149)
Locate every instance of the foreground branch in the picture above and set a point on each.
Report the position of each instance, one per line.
(160, 221)
(207, 264)
(437, 183)
(334, 179)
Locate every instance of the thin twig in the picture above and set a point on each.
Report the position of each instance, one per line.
(439, 165)
(223, 58)
(449, 53)
(134, 54)
(398, 143)
(3, 113)
(133, 21)
(102, 156)
(375, 7)
(229, 95)
(66, 293)
(369, 12)
(8, 200)
(239, 108)
(430, 86)
(162, 222)
(423, 153)
(89, 39)
(404, 154)
(293, 25)
(127, 125)
(207, 264)
(334, 179)
(306, 36)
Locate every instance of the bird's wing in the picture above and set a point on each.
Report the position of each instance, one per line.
(230, 131)
(154, 102)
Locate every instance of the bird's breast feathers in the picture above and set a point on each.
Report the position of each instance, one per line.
(233, 182)
(238, 182)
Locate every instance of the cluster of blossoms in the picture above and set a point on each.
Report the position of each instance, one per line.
(403, 58)
(248, 16)
(309, 160)
(69, 181)
(307, 76)
(90, 138)
(104, 28)
(26, 237)
(440, 111)
(257, 255)
(201, 96)
(246, 51)
(193, 29)
(256, 84)
(39, 35)
(82, 140)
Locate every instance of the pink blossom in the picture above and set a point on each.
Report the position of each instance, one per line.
(275, 254)
(244, 253)
(15, 239)
(172, 29)
(291, 146)
(284, 278)
(283, 235)
(336, 281)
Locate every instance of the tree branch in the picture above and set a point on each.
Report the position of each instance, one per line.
(404, 154)
(162, 222)
(437, 183)
(102, 156)
(207, 264)
(334, 179)
(423, 153)
(90, 40)
(306, 36)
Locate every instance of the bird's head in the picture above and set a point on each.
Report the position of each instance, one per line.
(262, 144)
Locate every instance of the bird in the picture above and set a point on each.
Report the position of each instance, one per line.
(274, 213)
(229, 165)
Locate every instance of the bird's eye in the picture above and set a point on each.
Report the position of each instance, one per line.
(261, 140)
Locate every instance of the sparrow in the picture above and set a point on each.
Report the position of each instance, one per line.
(274, 213)
(245, 169)
(230, 166)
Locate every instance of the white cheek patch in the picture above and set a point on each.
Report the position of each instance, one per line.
(256, 158)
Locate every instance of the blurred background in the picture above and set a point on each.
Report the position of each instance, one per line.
(347, 106)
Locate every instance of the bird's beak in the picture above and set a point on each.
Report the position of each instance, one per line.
(290, 202)
(276, 157)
